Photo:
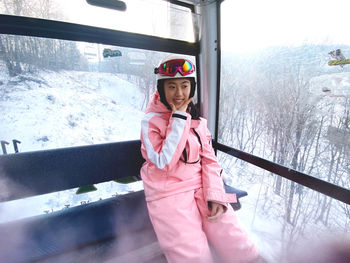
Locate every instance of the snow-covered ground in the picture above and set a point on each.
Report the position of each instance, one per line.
(331, 85)
(60, 109)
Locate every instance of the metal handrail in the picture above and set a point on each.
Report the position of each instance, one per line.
(337, 192)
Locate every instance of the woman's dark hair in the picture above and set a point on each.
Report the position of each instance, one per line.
(192, 108)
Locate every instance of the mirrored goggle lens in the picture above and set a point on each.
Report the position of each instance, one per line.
(170, 68)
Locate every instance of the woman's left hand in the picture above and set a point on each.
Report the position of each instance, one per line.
(216, 210)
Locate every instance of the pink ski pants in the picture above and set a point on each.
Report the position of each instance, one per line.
(186, 236)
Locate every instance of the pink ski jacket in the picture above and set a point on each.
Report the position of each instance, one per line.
(179, 156)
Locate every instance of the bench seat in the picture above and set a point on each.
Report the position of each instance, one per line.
(116, 229)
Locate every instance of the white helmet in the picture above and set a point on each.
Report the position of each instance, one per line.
(176, 66)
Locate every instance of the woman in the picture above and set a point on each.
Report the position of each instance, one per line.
(185, 196)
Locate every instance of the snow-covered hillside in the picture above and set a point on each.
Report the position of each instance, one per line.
(48, 109)
(59, 109)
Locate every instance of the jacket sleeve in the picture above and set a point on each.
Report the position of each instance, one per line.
(213, 184)
(164, 151)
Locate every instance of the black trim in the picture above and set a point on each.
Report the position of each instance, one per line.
(17, 25)
(175, 115)
(199, 138)
(198, 81)
(111, 4)
(329, 189)
(191, 162)
(184, 153)
(218, 78)
(175, 2)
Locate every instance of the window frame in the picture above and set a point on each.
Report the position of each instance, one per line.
(321, 186)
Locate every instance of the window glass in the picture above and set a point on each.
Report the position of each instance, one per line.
(285, 97)
(286, 226)
(285, 85)
(56, 94)
(150, 17)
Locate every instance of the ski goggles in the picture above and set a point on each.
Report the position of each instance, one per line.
(171, 67)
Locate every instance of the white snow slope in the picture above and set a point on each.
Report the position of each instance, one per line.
(47, 110)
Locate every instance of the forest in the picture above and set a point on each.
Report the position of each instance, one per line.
(287, 105)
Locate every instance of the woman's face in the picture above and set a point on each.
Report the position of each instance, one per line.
(177, 91)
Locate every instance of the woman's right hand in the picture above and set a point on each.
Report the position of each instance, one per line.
(183, 107)
(216, 211)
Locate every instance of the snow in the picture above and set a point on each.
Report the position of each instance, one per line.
(61, 109)
(48, 110)
(331, 85)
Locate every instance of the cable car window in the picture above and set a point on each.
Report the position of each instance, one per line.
(57, 93)
(288, 88)
(285, 97)
(150, 17)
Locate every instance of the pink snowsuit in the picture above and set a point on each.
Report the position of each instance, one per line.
(179, 184)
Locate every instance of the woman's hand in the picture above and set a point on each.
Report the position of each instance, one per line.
(183, 107)
(216, 210)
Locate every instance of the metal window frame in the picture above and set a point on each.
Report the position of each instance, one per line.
(183, 4)
(321, 186)
(37, 27)
(337, 192)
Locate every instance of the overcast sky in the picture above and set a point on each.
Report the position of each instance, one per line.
(251, 24)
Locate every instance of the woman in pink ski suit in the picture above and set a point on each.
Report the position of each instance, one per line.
(187, 204)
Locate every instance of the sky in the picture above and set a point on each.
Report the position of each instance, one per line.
(253, 24)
